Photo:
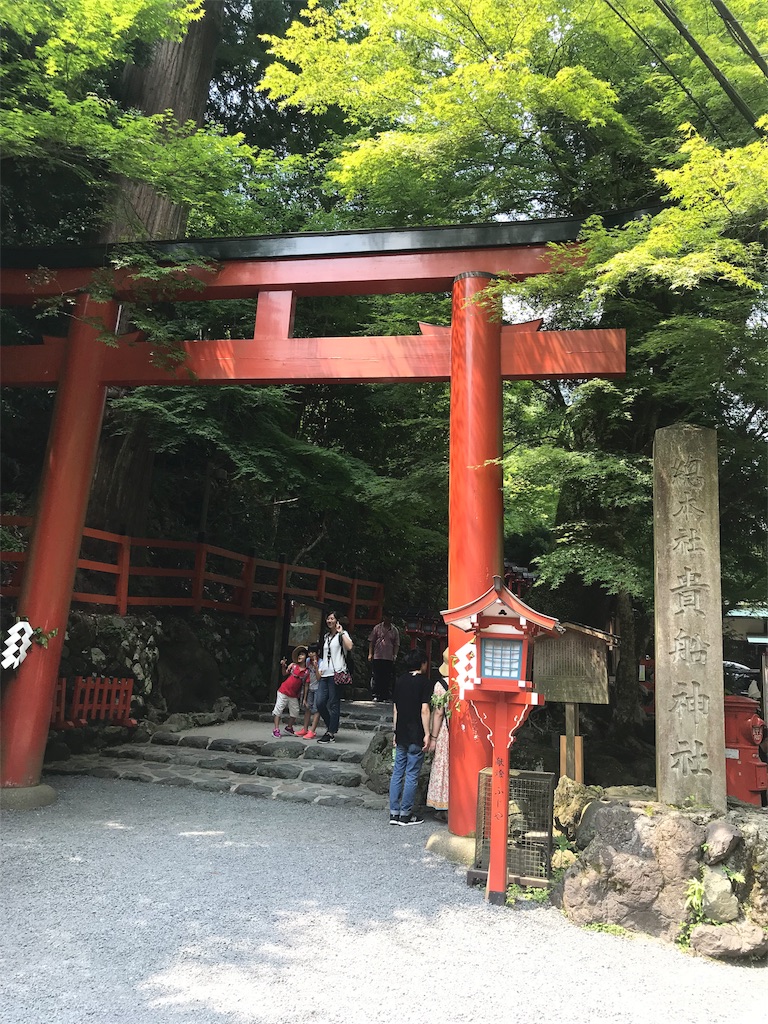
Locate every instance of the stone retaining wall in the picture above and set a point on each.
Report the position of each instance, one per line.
(684, 875)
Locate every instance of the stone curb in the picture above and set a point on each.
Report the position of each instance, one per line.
(282, 748)
(346, 793)
(358, 724)
(322, 771)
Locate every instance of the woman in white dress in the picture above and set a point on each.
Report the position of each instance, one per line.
(437, 791)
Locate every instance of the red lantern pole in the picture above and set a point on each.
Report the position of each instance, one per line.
(475, 530)
(49, 572)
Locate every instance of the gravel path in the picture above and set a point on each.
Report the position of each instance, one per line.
(151, 905)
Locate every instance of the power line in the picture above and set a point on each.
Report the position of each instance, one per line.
(714, 70)
(739, 35)
(649, 45)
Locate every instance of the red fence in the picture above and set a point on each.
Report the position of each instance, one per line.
(97, 698)
(138, 572)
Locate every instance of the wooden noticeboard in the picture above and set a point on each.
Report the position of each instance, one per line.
(572, 669)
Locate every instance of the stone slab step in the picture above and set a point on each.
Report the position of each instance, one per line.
(317, 764)
(286, 747)
(321, 783)
(365, 721)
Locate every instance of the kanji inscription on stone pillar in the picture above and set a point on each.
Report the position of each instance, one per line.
(690, 730)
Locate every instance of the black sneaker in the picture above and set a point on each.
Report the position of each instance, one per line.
(327, 738)
(394, 819)
(412, 819)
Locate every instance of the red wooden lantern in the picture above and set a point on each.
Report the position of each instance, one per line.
(490, 672)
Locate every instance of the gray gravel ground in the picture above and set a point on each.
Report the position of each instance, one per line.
(152, 905)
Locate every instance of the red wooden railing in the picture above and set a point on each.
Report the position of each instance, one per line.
(97, 698)
(187, 574)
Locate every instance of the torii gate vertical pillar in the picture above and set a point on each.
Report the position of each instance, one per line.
(475, 511)
(49, 572)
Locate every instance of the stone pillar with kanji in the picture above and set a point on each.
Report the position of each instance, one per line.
(690, 732)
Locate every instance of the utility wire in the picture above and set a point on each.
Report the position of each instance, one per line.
(649, 45)
(714, 70)
(739, 35)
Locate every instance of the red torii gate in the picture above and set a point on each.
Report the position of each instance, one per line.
(476, 353)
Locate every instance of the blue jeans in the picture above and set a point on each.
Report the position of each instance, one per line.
(405, 777)
(329, 703)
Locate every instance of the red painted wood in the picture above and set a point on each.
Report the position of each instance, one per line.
(279, 359)
(274, 315)
(382, 274)
(497, 861)
(198, 578)
(102, 699)
(58, 714)
(46, 590)
(475, 512)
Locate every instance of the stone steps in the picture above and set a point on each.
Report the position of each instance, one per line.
(378, 719)
(281, 769)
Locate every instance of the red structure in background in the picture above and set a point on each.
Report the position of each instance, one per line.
(475, 355)
(746, 775)
(95, 698)
(215, 579)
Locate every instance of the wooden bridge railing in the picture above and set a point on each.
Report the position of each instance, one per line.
(188, 574)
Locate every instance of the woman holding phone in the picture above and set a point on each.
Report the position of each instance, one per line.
(335, 642)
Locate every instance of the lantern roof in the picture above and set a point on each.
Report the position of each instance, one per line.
(498, 602)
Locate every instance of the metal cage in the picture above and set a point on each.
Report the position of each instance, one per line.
(529, 839)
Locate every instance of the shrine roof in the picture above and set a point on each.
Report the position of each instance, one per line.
(309, 245)
(498, 600)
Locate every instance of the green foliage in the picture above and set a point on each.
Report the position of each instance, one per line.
(530, 109)
(711, 232)
(527, 893)
(736, 877)
(608, 929)
(520, 108)
(424, 112)
(10, 540)
(694, 904)
(59, 110)
(42, 637)
(694, 898)
(445, 700)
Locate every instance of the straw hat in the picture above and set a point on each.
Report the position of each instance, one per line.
(297, 651)
(444, 670)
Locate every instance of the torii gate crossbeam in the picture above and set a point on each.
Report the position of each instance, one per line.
(476, 353)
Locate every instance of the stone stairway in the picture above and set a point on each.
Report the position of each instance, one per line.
(359, 715)
(243, 758)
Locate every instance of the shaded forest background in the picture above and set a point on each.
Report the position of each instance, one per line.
(160, 119)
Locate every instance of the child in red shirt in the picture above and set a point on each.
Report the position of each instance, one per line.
(296, 683)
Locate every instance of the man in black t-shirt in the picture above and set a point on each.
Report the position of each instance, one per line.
(413, 692)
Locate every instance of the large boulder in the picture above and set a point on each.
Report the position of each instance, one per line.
(634, 869)
(722, 839)
(750, 859)
(570, 800)
(377, 762)
(719, 902)
(188, 674)
(644, 866)
(742, 940)
(112, 645)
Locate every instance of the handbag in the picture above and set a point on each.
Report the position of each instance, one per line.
(344, 676)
